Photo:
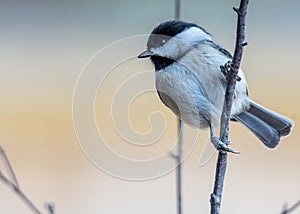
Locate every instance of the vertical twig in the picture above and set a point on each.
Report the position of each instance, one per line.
(179, 167)
(180, 140)
(216, 196)
(177, 9)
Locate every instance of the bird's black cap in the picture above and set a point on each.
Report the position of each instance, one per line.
(169, 29)
(160, 35)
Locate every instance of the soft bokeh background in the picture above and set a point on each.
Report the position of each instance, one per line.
(44, 46)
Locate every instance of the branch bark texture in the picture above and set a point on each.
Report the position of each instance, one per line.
(240, 43)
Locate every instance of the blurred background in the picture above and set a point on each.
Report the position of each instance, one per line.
(44, 47)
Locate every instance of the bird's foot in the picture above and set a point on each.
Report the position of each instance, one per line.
(221, 146)
(225, 69)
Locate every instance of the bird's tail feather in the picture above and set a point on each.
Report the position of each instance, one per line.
(267, 125)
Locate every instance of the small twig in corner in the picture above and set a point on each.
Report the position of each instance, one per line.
(287, 210)
(8, 167)
(50, 207)
(12, 182)
(19, 193)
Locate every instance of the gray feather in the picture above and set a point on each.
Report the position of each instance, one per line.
(267, 125)
(282, 124)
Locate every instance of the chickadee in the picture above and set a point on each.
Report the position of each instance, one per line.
(190, 82)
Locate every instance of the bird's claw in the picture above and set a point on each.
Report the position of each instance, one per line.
(225, 69)
(222, 147)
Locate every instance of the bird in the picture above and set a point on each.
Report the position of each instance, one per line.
(191, 82)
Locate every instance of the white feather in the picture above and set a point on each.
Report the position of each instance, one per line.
(193, 35)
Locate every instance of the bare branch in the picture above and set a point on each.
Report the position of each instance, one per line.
(180, 140)
(50, 207)
(216, 196)
(287, 210)
(179, 167)
(20, 194)
(177, 9)
(8, 167)
(12, 182)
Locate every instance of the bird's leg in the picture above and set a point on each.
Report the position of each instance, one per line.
(218, 144)
(225, 70)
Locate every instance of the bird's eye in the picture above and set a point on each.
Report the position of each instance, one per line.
(157, 40)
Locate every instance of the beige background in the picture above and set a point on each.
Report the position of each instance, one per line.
(44, 46)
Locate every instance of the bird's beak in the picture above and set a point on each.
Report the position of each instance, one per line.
(145, 54)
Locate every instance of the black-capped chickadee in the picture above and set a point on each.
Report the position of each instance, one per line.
(190, 82)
